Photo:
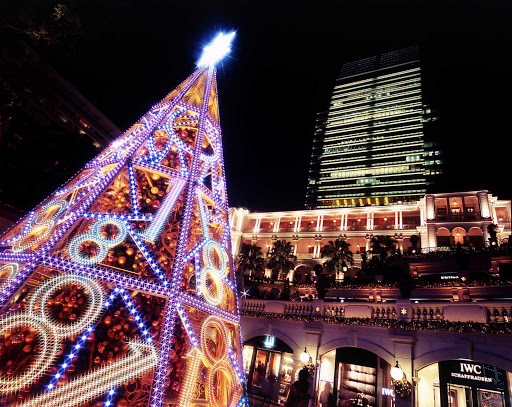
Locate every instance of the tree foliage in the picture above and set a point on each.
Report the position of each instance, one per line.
(43, 22)
(338, 252)
(281, 259)
(250, 259)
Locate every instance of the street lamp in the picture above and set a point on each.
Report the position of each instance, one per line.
(304, 356)
(400, 384)
(397, 373)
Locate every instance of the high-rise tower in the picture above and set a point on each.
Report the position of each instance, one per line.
(372, 146)
(119, 288)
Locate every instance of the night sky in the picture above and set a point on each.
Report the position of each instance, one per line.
(281, 72)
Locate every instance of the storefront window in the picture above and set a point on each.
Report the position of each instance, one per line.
(355, 377)
(268, 365)
(247, 358)
(463, 383)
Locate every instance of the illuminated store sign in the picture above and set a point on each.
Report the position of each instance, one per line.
(269, 342)
(470, 373)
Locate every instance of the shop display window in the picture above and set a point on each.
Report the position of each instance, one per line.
(285, 376)
(357, 385)
(268, 366)
(463, 383)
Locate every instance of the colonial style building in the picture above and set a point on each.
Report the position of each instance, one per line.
(441, 221)
(451, 337)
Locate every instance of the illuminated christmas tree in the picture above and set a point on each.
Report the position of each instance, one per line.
(119, 289)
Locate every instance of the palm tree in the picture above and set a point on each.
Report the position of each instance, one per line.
(339, 254)
(493, 230)
(381, 249)
(281, 259)
(250, 259)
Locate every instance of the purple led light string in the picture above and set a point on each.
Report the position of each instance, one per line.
(227, 237)
(163, 170)
(94, 194)
(133, 190)
(167, 331)
(17, 281)
(106, 275)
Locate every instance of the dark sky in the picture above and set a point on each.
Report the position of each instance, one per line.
(286, 57)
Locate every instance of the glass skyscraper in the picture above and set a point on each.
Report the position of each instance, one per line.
(372, 147)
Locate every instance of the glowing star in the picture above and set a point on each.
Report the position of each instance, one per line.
(245, 293)
(216, 50)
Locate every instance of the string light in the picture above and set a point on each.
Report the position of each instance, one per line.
(87, 387)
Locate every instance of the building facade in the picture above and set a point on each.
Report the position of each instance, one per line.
(451, 338)
(375, 145)
(440, 220)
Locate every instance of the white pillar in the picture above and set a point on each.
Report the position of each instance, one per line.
(257, 225)
(297, 223)
(483, 200)
(321, 222)
(276, 225)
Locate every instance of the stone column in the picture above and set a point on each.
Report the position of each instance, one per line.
(404, 355)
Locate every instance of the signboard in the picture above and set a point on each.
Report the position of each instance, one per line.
(472, 374)
(388, 392)
(269, 342)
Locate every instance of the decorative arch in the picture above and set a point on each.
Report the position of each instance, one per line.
(459, 235)
(301, 272)
(443, 237)
(361, 343)
(476, 237)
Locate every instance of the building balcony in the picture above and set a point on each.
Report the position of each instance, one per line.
(458, 217)
(482, 317)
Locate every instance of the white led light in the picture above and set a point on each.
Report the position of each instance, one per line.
(7, 273)
(44, 357)
(92, 312)
(42, 225)
(88, 386)
(104, 244)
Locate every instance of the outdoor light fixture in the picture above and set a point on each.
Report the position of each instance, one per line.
(216, 50)
(400, 384)
(304, 356)
(397, 373)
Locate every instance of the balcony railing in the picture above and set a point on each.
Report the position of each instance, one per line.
(334, 229)
(455, 217)
(424, 315)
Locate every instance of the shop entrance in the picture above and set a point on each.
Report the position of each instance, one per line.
(463, 383)
(268, 365)
(357, 378)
